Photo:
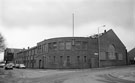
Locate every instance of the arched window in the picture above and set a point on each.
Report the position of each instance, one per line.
(111, 52)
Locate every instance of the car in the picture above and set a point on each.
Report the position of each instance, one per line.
(22, 66)
(2, 65)
(16, 66)
(9, 66)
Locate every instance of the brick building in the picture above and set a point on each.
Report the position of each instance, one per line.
(75, 52)
(131, 54)
(9, 54)
(26, 57)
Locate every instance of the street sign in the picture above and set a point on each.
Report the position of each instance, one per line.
(95, 53)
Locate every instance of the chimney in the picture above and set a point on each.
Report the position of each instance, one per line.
(28, 47)
(104, 31)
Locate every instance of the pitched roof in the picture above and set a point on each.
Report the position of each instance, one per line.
(132, 53)
(113, 33)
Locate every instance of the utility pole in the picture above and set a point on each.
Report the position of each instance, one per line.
(99, 46)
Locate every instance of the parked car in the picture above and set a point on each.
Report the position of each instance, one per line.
(9, 66)
(2, 65)
(22, 66)
(16, 66)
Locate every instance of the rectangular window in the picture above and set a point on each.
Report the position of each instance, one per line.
(54, 58)
(102, 56)
(33, 52)
(116, 54)
(68, 58)
(120, 57)
(50, 47)
(39, 49)
(54, 46)
(78, 58)
(46, 47)
(49, 59)
(84, 45)
(68, 45)
(61, 58)
(78, 45)
(43, 48)
(61, 46)
(85, 59)
(111, 56)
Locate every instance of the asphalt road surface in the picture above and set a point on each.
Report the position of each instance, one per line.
(96, 75)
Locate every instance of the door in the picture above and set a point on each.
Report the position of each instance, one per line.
(40, 64)
(94, 62)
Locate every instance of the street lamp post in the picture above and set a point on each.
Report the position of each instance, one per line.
(99, 46)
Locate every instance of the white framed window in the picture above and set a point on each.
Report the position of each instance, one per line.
(68, 45)
(61, 46)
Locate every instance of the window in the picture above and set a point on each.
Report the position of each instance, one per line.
(85, 60)
(78, 45)
(54, 58)
(49, 59)
(68, 45)
(111, 52)
(39, 49)
(68, 58)
(46, 47)
(50, 46)
(111, 56)
(32, 52)
(78, 58)
(61, 45)
(84, 45)
(120, 57)
(29, 52)
(43, 50)
(35, 51)
(103, 56)
(54, 46)
(61, 58)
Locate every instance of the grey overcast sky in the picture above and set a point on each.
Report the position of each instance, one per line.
(23, 23)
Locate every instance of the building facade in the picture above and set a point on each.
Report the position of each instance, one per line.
(26, 57)
(131, 55)
(9, 54)
(75, 52)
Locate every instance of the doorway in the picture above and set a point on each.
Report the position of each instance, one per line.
(94, 62)
(40, 64)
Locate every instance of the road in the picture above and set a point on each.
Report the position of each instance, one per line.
(96, 75)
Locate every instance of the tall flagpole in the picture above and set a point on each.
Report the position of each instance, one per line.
(73, 23)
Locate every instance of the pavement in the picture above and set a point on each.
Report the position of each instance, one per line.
(37, 73)
(95, 75)
(124, 75)
(113, 77)
(127, 75)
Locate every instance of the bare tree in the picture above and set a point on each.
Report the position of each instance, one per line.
(2, 43)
